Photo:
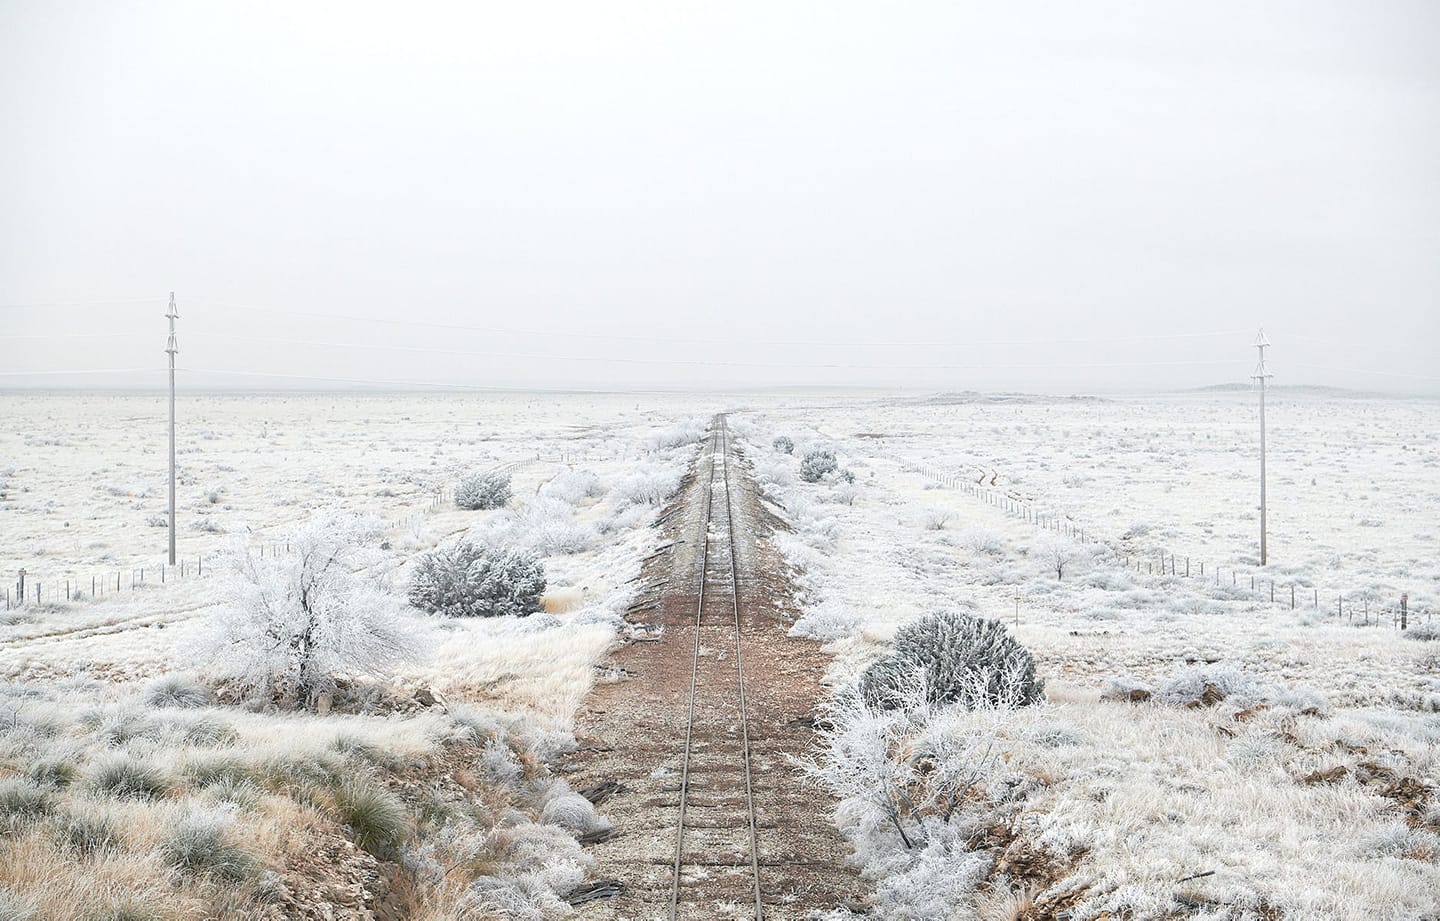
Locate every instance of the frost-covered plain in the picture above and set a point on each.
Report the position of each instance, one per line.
(428, 788)
(1203, 752)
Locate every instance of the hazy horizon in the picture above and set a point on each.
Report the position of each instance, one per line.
(933, 197)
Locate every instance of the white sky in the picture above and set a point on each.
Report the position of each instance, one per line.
(948, 195)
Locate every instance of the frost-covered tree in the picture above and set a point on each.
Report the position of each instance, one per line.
(958, 659)
(287, 626)
(467, 579)
(1058, 553)
(784, 444)
(483, 491)
(815, 464)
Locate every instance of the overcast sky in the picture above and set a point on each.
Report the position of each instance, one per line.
(1062, 196)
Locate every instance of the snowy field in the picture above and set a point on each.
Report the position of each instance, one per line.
(1201, 752)
(177, 796)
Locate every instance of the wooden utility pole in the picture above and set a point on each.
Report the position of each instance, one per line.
(170, 349)
(1262, 375)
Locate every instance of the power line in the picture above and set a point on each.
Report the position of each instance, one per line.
(51, 305)
(607, 359)
(550, 333)
(84, 371)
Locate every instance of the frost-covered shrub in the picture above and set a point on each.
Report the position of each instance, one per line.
(815, 464)
(536, 866)
(21, 800)
(827, 622)
(681, 433)
(1423, 631)
(1210, 684)
(548, 527)
(648, 484)
(129, 778)
(572, 486)
(376, 817)
(784, 444)
(936, 518)
(178, 691)
(982, 541)
(572, 811)
(956, 658)
(480, 491)
(157, 521)
(199, 845)
(288, 625)
(468, 579)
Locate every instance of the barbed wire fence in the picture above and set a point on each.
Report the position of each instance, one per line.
(1362, 605)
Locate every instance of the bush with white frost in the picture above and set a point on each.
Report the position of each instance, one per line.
(469, 579)
(480, 491)
(544, 525)
(287, 626)
(682, 433)
(784, 444)
(573, 486)
(648, 484)
(816, 464)
(957, 658)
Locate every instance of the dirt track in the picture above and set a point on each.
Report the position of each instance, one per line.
(633, 732)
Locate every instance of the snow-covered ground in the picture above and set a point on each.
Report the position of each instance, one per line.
(78, 677)
(1307, 790)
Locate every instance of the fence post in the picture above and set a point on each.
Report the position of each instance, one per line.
(20, 592)
(1272, 591)
(1187, 567)
(1292, 597)
(1405, 611)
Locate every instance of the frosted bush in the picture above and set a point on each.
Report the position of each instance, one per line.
(287, 626)
(982, 541)
(572, 812)
(958, 659)
(816, 464)
(1423, 631)
(178, 691)
(1195, 684)
(573, 486)
(827, 623)
(468, 579)
(545, 525)
(648, 484)
(936, 518)
(686, 432)
(784, 444)
(483, 491)
(500, 763)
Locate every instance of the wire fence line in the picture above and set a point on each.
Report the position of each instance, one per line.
(1362, 606)
(34, 586)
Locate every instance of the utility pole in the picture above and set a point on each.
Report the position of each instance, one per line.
(170, 349)
(1262, 375)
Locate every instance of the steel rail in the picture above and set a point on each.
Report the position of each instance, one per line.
(719, 442)
(740, 667)
(694, 679)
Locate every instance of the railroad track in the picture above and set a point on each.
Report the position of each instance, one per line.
(718, 564)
